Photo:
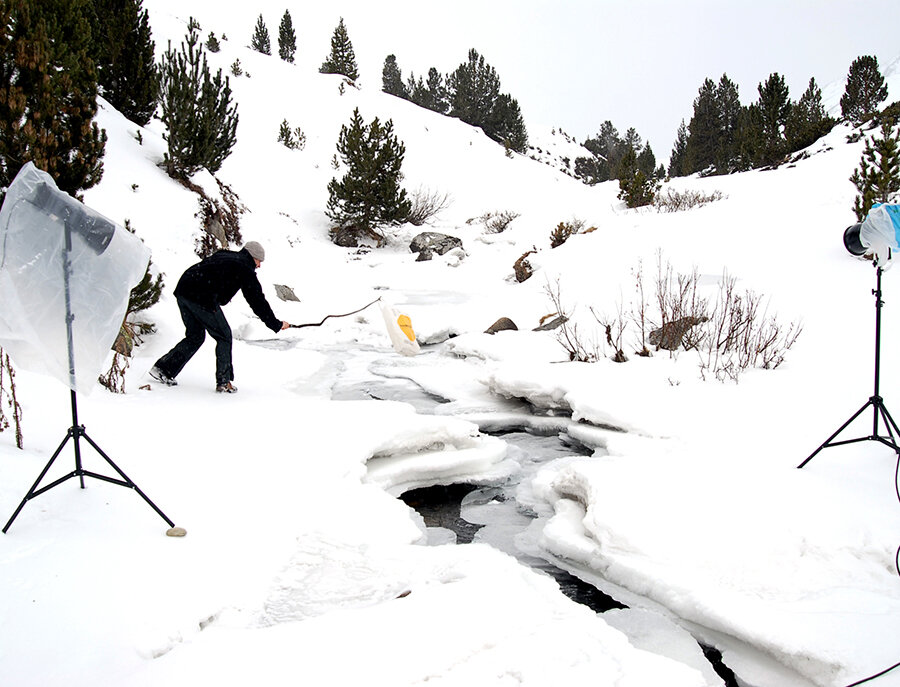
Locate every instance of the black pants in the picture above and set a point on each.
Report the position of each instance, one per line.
(197, 321)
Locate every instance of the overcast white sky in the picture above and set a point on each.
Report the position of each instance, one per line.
(575, 63)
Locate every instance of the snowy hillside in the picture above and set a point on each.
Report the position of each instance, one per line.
(301, 565)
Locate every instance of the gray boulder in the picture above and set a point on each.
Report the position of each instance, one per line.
(429, 242)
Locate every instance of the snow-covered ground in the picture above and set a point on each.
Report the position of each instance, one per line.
(300, 564)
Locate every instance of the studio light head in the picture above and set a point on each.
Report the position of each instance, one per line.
(96, 230)
(877, 235)
(852, 241)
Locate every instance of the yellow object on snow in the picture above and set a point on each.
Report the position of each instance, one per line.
(400, 330)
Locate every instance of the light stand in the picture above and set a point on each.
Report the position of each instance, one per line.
(875, 400)
(76, 431)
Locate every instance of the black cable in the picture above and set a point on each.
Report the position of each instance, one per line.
(872, 677)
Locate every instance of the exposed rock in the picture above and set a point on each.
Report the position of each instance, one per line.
(670, 335)
(555, 323)
(429, 242)
(285, 293)
(503, 324)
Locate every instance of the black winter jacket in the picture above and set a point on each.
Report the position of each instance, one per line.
(215, 280)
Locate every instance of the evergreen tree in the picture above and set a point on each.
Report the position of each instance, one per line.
(475, 98)
(287, 38)
(635, 187)
(196, 109)
(124, 52)
(865, 90)
(728, 103)
(710, 146)
(646, 161)
(260, 41)
(703, 130)
(607, 149)
(807, 121)
(749, 141)
(48, 92)
(438, 98)
(368, 196)
(212, 43)
(342, 59)
(676, 159)
(774, 107)
(391, 78)
(877, 179)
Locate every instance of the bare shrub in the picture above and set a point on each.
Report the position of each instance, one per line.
(639, 309)
(678, 201)
(677, 300)
(614, 329)
(8, 398)
(730, 335)
(567, 333)
(495, 222)
(426, 204)
(742, 334)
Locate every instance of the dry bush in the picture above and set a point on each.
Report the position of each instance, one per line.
(678, 201)
(677, 300)
(731, 335)
(564, 230)
(567, 333)
(495, 222)
(426, 204)
(8, 398)
(741, 334)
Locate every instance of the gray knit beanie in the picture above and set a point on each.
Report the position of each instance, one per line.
(256, 250)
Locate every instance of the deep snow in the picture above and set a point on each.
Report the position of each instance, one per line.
(297, 549)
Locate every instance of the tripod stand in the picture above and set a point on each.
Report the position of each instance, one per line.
(875, 400)
(76, 432)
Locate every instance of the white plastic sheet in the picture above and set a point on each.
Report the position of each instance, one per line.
(44, 281)
(880, 232)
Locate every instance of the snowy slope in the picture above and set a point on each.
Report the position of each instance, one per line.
(298, 556)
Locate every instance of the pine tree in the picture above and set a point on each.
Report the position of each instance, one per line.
(124, 51)
(342, 59)
(774, 107)
(749, 141)
(196, 109)
(287, 38)
(607, 149)
(635, 187)
(260, 41)
(808, 121)
(877, 179)
(676, 159)
(48, 92)
(368, 196)
(392, 79)
(865, 90)
(728, 103)
(437, 92)
(475, 98)
(703, 131)
(212, 43)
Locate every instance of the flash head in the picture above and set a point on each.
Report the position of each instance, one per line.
(852, 241)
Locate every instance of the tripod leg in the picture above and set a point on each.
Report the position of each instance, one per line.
(31, 491)
(127, 480)
(841, 429)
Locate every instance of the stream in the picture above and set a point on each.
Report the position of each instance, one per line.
(463, 513)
